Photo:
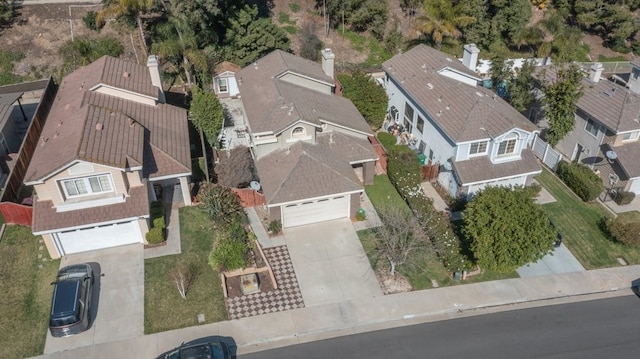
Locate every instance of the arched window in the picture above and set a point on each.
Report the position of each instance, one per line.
(298, 132)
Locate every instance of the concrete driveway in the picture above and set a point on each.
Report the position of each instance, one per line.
(561, 260)
(118, 301)
(330, 264)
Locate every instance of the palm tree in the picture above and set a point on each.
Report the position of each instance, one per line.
(441, 19)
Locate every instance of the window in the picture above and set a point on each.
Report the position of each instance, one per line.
(635, 73)
(298, 132)
(222, 85)
(408, 113)
(507, 147)
(420, 124)
(87, 185)
(631, 136)
(478, 148)
(592, 127)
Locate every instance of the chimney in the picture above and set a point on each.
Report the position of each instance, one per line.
(595, 72)
(154, 70)
(328, 59)
(470, 56)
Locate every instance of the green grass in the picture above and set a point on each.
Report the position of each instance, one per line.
(164, 309)
(603, 58)
(377, 53)
(290, 29)
(283, 18)
(7, 58)
(579, 224)
(294, 7)
(382, 194)
(26, 293)
(630, 216)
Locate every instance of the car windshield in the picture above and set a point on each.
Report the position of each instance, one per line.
(204, 351)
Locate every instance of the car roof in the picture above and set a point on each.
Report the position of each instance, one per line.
(65, 298)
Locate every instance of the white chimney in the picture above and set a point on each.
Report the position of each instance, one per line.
(328, 59)
(154, 70)
(470, 56)
(595, 72)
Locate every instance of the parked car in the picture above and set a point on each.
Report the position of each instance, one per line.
(199, 349)
(71, 302)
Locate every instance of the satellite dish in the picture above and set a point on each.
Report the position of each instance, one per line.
(255, 185)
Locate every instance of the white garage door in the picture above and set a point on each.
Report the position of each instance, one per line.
(98, 237)
(315, 211)
(635, 186)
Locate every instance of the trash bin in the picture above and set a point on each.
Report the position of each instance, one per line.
(361, 211)
(457, 276)
(422, 158)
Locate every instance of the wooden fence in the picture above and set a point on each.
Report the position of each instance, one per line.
(382, 154)
(15, 213)
(430, 172)
(249, 197)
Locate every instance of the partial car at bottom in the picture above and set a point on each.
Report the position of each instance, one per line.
(204, 348)
(71, 302)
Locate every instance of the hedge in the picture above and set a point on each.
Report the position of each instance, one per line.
(386, 139)
(158, 225)
(623, 198)
(581, 180)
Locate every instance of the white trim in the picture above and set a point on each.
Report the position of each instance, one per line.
(364, 161)
(635, 138)
(91, 225)
(118, 89)
(346, 128)
(313, 198)
(67, 165)
(293, 124)
(331, 84)
(86, 179)
(66, 207)
(502, 178)
(596, 125)
(176, 176)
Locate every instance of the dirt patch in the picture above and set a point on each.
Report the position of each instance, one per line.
(41, 30)
(392, 284)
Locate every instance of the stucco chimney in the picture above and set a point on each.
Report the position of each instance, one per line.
(595, 72)
(328, 59)
(470, 56)
(154, 70)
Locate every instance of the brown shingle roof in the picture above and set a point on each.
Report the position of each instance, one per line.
(70, 133)
(347, 147)
(224, 67)
(304, 171)
(481, 169)
(611, 104)
(46, 218)
(124, 75)
(629, 158)
(463, 112)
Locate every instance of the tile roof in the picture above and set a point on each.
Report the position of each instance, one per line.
(71, 131)
(635, 61)
(124, 75)
(224, 67)
(47, 218)
(482, 169)
(463, 112)
(611, 104)
(347, 147)
(272, 104)
(628, 158)
(303, 171)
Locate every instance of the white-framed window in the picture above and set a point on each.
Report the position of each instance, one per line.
(631, 136)
(223, 85)
(592, 127)
(85, 186)
(298, 132)
(507, 147)
(478, 148)
(420, 125)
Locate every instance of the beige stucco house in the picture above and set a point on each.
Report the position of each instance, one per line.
(109, 143)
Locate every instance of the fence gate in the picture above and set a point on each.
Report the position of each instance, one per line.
(546, 153)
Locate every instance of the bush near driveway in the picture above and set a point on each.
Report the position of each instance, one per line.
(164, 308)
(579, 224)
(26, 293)
(581, 179)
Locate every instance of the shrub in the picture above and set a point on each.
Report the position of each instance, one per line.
(228, 254)
(90, 20)
(294, 7)
(404, 169)
(386, 139)
(581, 180)
(275, 226)
(222, 205)
(623, 198)
(361, 215)
(624, 232)
(158, 222)
(155, 235)
(158, 225)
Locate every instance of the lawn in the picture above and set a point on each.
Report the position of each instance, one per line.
(27, 290)
(579, 224)
(164, 309)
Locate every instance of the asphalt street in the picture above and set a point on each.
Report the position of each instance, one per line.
(607, 328)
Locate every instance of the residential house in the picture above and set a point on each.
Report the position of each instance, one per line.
(311, 147)
(475, 137)
(224, 81)
(110, 143)
(606, 135)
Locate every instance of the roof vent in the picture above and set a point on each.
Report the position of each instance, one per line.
(424, 66)
(98, 127)
(610, 92)
(449, 59)
(440, 98)
(126, 75)
(132, 122)
(55, 135)
(59, 123)
(43, 141)
(448, 107)
(480, 94)
(439, 113)
(429, 85)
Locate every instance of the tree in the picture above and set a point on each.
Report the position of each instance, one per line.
(368, 97)
(521, 87)
(400, 239)
(235, 168)
(561, 94)
(183, 274)
(410, 7)
(222, 205)
(250, 37)
(509, 18)
(442, 19)
(506, 228)
(359, 15)
(479, 31)
(310, 44)
(6, 12)
(206, 113)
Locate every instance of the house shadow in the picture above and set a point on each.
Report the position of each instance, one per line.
(95, 295)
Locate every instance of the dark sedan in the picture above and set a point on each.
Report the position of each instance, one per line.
(71, 302)
(204, 348)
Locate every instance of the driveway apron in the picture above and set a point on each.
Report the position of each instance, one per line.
(118, 301)
(330, 264)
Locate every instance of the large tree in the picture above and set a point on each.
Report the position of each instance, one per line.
(521, 87)
(6, 12)
(368, 97)
(506, 228)
(442, 19)
(358, 15)
(562, 88)
(509, 18)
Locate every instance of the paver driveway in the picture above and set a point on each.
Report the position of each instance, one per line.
(330, 263)
(118, 302)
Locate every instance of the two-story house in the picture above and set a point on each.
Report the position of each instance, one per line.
(477, 138)
(606, 135)
(311, 147)
(108, 140)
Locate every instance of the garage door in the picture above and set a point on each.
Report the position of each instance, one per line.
(635, 186)
(321, 210)
(98, 237)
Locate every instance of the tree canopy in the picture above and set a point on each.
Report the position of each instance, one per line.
(506, 229)
(561, 94)
(442, 19)
(206, 113)
(369, 98)
(358, 15)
